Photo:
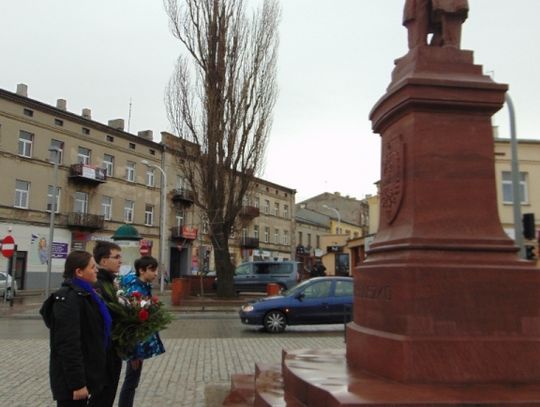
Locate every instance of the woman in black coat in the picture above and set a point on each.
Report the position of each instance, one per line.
(80, 326)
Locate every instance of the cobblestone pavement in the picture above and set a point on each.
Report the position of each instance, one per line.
(203, 350)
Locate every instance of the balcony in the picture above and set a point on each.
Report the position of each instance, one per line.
(249, 212)
(87, 174)
(249, 242)
(84, 221)
(183, 233)
(182, 197)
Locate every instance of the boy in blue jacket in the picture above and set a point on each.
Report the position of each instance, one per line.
(141, 281)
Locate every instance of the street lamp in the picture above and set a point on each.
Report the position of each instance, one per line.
(51, 219)
(338, 217)
(516, 190)
(162, 255)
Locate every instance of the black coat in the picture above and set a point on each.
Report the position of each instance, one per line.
(77, 344)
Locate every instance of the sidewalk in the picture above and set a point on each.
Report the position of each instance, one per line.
(28, 302)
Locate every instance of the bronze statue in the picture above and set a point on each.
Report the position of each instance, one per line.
(442, 18)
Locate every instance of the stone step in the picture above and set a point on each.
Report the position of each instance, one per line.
(269, 391)
(242, 392)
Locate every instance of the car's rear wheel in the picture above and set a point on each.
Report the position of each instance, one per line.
(275, 322)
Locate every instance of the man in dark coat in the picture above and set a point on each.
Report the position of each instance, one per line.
(109, 260)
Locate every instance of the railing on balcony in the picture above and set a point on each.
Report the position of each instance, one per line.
(85, 220)
(87, 173)
(183, 232)
(249, 242)
(249, 212)
(182, 196)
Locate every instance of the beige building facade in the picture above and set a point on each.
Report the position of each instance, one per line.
(106, 178)
(101, 183)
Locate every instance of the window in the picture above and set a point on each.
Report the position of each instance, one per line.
(130, 171)
(106, 207)
(150, 175)
(276, 208)
(22, 191)
(309, 239)
(205, 225)
(276, 236)
(108, 164)
(56, 151)
(83, 155)
(148, 215)
(300, 238)
(28, 112)
(85, 130)
(152, 151)
(58, 122)
(129, 208)
(266, 234)
(244, 233)
(507, 189)
(110, 139)
(50, 193)
(179, 216)
(257, 202)
(266, 206)
(181, 182)
(256, 231)
(25, 143)
(319, 289)
(343, 289)
(132, 146)
(285, 237)
(286, 211)
(80, 203)
(318, 240)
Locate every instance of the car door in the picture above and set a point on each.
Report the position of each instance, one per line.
(312, 304)
(340, 303)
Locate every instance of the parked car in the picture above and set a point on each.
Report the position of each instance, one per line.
(5, 285)
(254, 276)
(320, 300)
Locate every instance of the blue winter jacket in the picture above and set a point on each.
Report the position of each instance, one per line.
(153, 345)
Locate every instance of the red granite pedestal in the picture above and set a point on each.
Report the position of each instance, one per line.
(445, 313)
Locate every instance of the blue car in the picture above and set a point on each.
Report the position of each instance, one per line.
(321, 300)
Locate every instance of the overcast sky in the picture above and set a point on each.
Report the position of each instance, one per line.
(335, 60)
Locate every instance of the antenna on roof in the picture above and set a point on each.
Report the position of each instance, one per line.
(129, 116)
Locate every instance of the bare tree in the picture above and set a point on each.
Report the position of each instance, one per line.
(220, 102)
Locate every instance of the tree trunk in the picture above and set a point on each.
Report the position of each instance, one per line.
(224, 268)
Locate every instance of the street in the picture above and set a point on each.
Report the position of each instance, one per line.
(203, 350)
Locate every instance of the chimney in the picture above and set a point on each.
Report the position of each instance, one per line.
(61, 104)
(146, 134)
(117, 124)
(87, 113)
(22, 90)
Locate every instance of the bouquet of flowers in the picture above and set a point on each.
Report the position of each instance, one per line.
(137, 318)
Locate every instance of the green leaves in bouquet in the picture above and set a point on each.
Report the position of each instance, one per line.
(137, 318)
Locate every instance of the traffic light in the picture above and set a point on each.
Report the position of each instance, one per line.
(530, 252)
(529, 228)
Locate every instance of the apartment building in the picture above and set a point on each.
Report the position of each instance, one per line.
(529, 174)
(102, 183)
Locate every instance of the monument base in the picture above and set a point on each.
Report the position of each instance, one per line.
(318, 378)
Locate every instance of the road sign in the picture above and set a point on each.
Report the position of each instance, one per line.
(144, 248)
(8, 246)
